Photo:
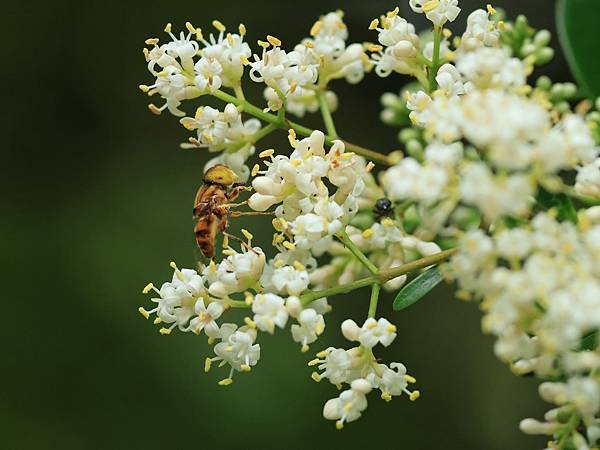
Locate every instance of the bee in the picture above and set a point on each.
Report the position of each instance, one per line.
(212, 206)
(383, 208)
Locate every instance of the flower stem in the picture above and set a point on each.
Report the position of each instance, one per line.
(374, 299)
(357, 252)
(435, 60)
(285, 124)
(382, 277)
(326, 113)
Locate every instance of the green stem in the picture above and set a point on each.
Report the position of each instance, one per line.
(357, 252)
(374, 299)
(567, 431)
(435, 60)
(239, 92)
(326, 113)
(301, 130)
(382, 277)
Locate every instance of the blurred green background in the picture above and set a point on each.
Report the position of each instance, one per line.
(98, 203)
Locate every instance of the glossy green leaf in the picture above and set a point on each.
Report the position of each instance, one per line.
(562, 203)
(577, 22)
(590, 341)
(417, 288)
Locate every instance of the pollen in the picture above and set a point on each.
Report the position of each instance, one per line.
(414, 395)
(242, 29)
(368, 233)
(274, 41)
(299, 266)
(410, 379)
(157, 321)
(314, 30)
(218, 25)
(315, 376)
(375, 48)
(255, 170)
(266, 153)
(491, 9)
(244, 59)
(190, 27)
(225, 382)
(263, 44)
(339, 425)
(289, 245)
(386, 396)
(147, 288)
(314, 362)
(387, 222)
(207, 364)
(165, 331)
(374, 24)
(248, 321)
(394, 12)
(151, 41)
(391, 328)
(248, 298)
(245, 368)
(430, 5)
(247, 234)
(309, 44)
(144, 88)
(279, 264)
(143, 312)
(168, 28)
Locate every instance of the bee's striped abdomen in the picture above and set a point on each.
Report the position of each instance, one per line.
(206, 232)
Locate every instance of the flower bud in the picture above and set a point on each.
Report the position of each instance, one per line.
(350, 330)
(361, 385)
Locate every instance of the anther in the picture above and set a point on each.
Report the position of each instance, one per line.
(316, 28)
(414, 395)
(147, 288)
(225, 382)
(143, 312)
(218, 25)
(266, 153)
(315, 376)
(374, 24)
(273, 41)
(207, 364)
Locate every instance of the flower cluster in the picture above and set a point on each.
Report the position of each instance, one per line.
(498, 173)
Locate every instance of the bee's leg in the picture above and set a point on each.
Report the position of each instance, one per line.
(241, 241)
(236, 191)
(235, 205)
(250, 213)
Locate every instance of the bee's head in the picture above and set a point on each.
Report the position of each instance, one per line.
(220, 174)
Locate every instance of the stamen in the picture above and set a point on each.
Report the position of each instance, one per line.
(207, 364)
(315, 376)
(225, 382)
(218, 25)
(148, 288)
(374, 24)
(316, 28)
(143, 312)
(273, 41)
(266, 153)
(168, 28)
(242, 29)
(414, 395)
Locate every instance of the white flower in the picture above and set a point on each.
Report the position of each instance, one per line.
(375, 332)
(514, 243)
(588, 179)
(287, 280)
(411, 180)
(336, 365)
(310, 326)
(238, 350)
(269, 311)
(480, 31)
(489, 67)
(206, 319)
(349, 406)
(236, 273)
(450, 81)
(438, 11)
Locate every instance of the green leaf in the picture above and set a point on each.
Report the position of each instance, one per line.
(577, 22)
(590, 341)
(417, 288)
(561, 202)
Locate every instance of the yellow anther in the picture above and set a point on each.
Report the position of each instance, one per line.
(230, 39)
(374, 24)
(229, 252)
(309, 44)
(386, 396)
(339, 425)
(144, 88)
(292, 137)
(314, 30)
(391, 328)
(348, 155)
(289, 245)
(501, 25)
(315, 376)
(245, 368)
(154, 109)
(375, 48)
(190, 27)
(299, 266)
(266, 153)
(147, 288)
(168, 28)
(143, 312)
(322, 354)
(393, 13)
(225, 382)
(491, 10)
(319, 329)
(273, 41)
(447, 33)
(430, 5)
(218, 25)
(247, 234)
(368, 233)
(225, 241)
(151, 41)
(248, 298)
(255, 170)
(414, 395)
(370, 166)
(242, 29)
(279, 264)
(387, 222)
(462, 294)
(277, 239)
(207, 364)
(338, 386)
(372, 324)
(165, 331)
(410, 379)
(304, 348)
(212, 267)
(263, 44)
(244, 59)
(296, 162)
(279, 224)
(248, 321)
(314, 362)
(157, 321)
(293, 87)
(229, 348)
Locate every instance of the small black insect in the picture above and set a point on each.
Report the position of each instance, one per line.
(383, 208)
